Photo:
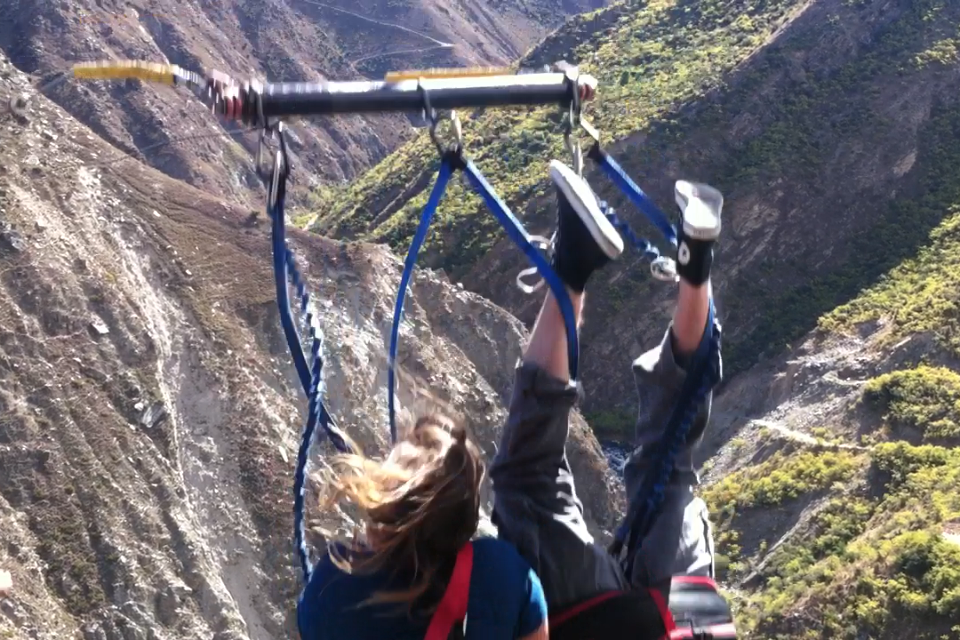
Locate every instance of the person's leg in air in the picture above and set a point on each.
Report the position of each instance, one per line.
(535, 503)
(680, 543)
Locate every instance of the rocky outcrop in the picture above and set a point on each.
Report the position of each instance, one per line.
(149, 415)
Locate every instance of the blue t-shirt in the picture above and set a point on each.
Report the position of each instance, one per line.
(506, 601)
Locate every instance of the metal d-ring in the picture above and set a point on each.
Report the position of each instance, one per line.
(573, 119)
(430, 114)
(281, 163)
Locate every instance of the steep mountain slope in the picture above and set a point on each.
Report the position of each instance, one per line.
(273, 39)
(149, 415)
(831, 468)
(836, 488)
(822, 122)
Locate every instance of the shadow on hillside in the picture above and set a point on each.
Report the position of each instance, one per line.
(797, 131)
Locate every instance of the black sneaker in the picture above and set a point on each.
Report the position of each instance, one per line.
(585, 240)
(700, 208)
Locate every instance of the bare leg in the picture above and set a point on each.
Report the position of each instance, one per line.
(535, 501)
(547, 348)
(700, 205)
(690, 317)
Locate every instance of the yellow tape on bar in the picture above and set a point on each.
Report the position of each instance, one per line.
(466, 72)
(126, 69)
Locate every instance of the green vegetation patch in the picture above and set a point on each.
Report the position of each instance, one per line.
(870, 565)
(942, 52)
(926, 399)
(774, 482)
(655, 58)
(920, 295)
(780, 478)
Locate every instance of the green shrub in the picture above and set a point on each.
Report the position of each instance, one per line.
(925, 398)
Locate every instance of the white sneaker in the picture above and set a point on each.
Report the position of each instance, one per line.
(700, 207)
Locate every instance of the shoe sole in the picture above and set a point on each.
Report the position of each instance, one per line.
(585, 204)
(701, 205)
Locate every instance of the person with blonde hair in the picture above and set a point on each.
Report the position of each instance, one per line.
(413, 570)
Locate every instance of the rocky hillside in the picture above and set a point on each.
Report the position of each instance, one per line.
(274, 39)
(835, 487)
(832, 465)
(822, 121)
(149, 415)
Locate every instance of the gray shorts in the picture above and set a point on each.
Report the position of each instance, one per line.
(535, 501)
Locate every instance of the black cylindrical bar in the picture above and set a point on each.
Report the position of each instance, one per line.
(309, 99)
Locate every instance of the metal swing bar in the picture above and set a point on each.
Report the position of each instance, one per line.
(253, 102)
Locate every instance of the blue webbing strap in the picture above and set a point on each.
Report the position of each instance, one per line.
(448, 164)
(281, 277)
(703, 374)
(311, 378)
(644, 246)
(519, 235)
(514, 228)
(640, 199)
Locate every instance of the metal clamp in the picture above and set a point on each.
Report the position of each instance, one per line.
(572, 118)
(664, 269)
(279, 169)
(430, 114)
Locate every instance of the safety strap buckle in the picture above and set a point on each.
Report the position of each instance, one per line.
(273, 173)
(430, 114)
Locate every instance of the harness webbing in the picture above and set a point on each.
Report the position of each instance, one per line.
(451, 161)
(636, 195)
(644, 246)
(702, 375)
(447, 621)
(522, 239)
(311, 377)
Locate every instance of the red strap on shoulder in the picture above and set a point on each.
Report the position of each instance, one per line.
(453, 605)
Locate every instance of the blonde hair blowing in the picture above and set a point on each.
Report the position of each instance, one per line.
(419, 506)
